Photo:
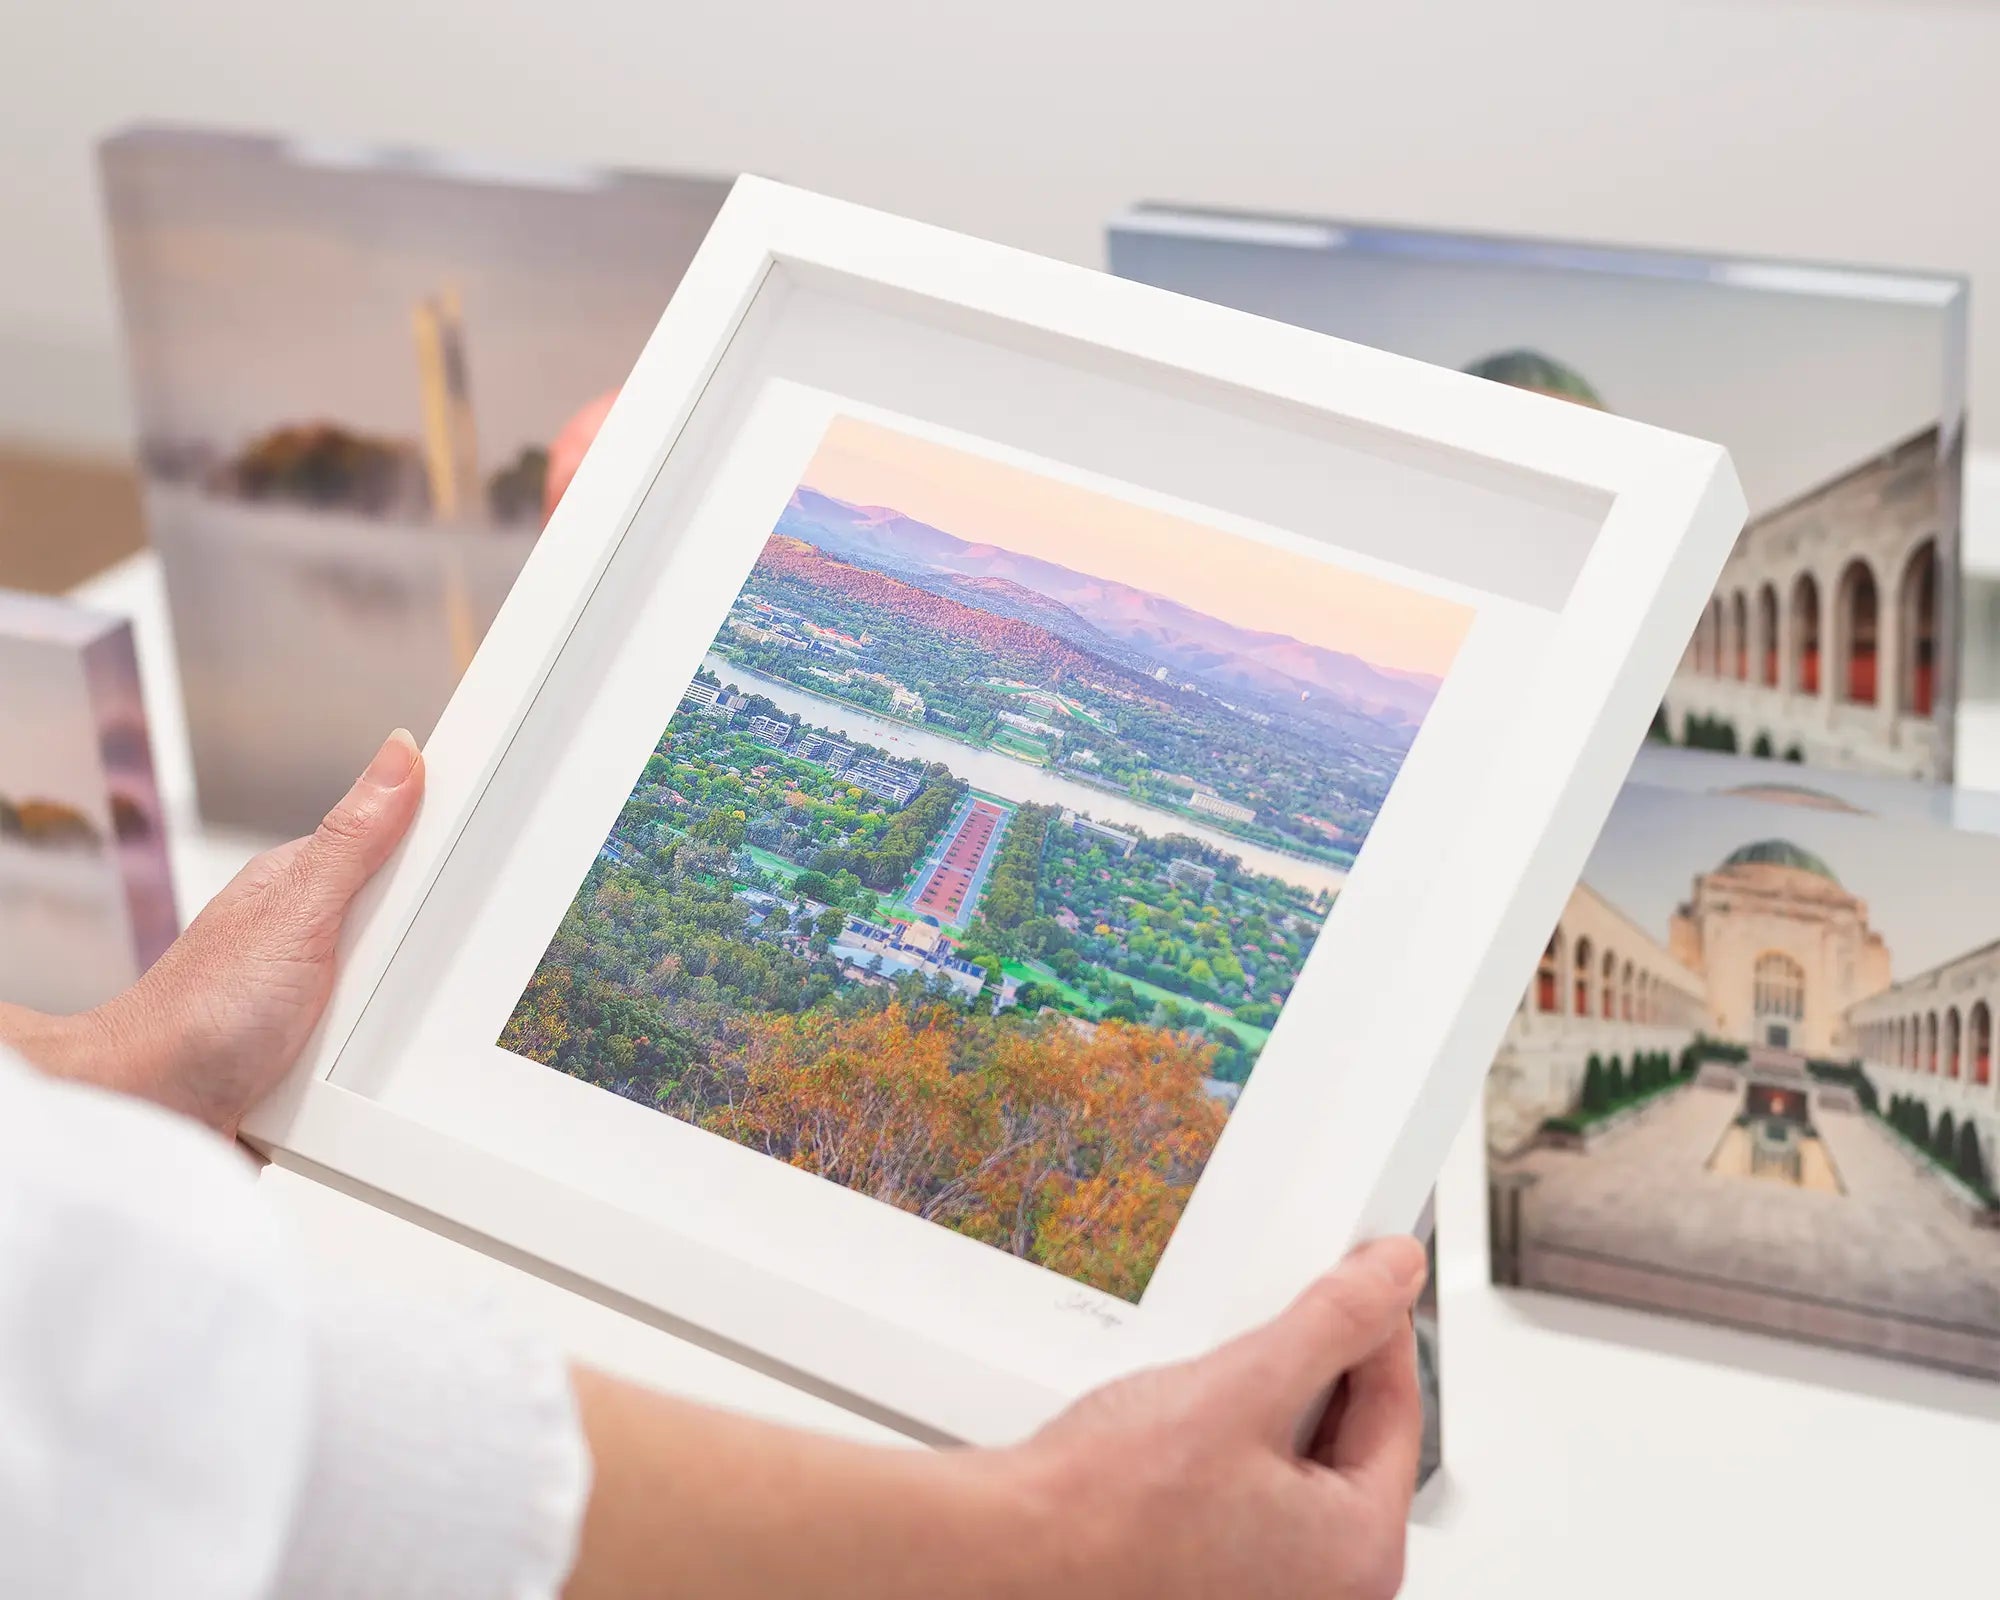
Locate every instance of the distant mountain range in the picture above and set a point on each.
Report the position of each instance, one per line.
(1116, 620)
(1023, 641)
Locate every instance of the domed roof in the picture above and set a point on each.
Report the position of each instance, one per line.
(1794, 794)
(1530, 369)
(1780, 853)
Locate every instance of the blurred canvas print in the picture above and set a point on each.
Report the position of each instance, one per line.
(86, 895)
(1833, 637)
(1660, 766)
(981, 856)
(1752, 1081)
(1430, 1455)
(348, 366)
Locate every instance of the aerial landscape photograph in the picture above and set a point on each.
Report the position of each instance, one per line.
(977, 862)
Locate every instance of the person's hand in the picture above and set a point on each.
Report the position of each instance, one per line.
(1186, 1481)
(223, 1014)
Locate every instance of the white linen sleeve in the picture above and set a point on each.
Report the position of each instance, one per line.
(185, 1411)
(446, 1457)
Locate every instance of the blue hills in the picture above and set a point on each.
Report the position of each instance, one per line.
(1124, 623)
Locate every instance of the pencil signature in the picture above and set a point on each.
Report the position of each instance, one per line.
(1081, 1304)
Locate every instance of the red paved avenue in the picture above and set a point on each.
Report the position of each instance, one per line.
(946, 891)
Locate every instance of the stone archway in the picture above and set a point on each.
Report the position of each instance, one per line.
(1805, 635)
(1767, 637)
(1916, 611)
(1548, 977)
(1858, 618)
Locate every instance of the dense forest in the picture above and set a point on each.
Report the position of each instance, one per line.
(886, 861)
(1141, 937)
(1010, 894)
(709, 775)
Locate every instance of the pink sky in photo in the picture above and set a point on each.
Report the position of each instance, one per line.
(1240, 581)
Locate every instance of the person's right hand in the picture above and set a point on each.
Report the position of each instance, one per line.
(225, 1011)
(1186, 1481)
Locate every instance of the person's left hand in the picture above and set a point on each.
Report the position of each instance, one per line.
(223, 1014)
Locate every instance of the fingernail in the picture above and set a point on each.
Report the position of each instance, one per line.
(1400, 1259)
(394, 762)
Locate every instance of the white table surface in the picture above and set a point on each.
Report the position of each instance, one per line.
(1588, 1451)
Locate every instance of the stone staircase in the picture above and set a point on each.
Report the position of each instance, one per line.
(1779, 1066)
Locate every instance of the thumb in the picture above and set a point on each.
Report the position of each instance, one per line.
(1290, 1365)
(357, 835)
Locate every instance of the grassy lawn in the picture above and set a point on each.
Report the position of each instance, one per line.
(1253, 1037)
(1072, 707)
(778, 865)
(1014, 743)
(1257, 1037)
(1035, 972)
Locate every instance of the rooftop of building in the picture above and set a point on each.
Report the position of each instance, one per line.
(1780, 853)
(1530, 369)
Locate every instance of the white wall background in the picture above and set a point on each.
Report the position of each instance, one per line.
(1861, 130)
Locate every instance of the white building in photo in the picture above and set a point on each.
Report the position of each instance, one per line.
(1768, 950)
(1931, 1036)
(1830, 636)
(1120, 839)
(1604, 987)
(1211, 804)
(1784, 948)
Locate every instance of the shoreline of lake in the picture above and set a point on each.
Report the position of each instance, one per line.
(1017, 780)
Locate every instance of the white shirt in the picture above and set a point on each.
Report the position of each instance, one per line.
(185, 1412)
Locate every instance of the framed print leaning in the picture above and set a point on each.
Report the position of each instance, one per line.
(1752, 1082)
(1834, 635)
(86, 889)
(348, 367)
(910, 890)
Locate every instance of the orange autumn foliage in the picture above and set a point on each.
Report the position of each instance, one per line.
(1076, 1150)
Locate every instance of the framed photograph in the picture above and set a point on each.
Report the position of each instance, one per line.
(915, 889)
(1833, 638)
(349, 364)
(1752, 1080)
(86, 891)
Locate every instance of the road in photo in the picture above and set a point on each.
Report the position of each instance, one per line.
(948, 886)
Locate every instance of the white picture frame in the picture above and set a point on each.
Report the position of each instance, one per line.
(1585, 546)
